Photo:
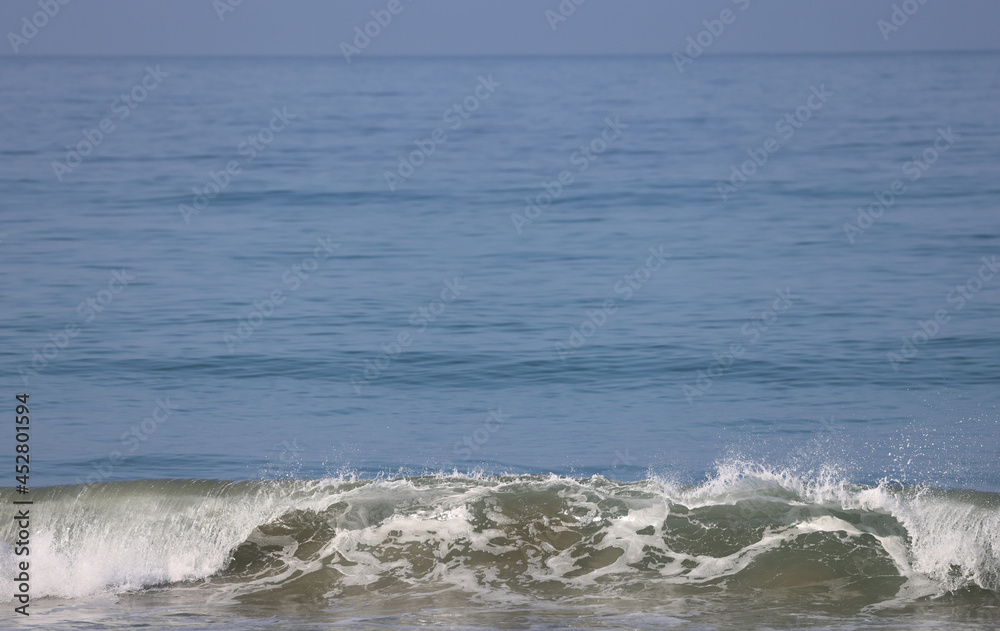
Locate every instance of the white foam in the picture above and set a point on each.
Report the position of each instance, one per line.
(111, 539)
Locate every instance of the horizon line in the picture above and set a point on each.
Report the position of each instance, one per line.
(666, 55)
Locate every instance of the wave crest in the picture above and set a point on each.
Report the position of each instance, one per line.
(747, 527)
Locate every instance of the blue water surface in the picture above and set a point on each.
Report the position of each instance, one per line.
(304, 313)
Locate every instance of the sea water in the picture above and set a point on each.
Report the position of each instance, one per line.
(520, 343)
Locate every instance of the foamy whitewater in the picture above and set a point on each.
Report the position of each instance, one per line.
(509, 542)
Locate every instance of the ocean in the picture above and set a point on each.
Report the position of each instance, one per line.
(501, 342)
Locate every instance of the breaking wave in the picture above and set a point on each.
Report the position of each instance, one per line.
(510, 537)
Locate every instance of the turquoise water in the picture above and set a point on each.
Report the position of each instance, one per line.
(485, 272)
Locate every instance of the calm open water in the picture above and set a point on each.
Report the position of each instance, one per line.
(505, 342)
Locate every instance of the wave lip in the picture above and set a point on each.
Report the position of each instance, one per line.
(515, 537)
